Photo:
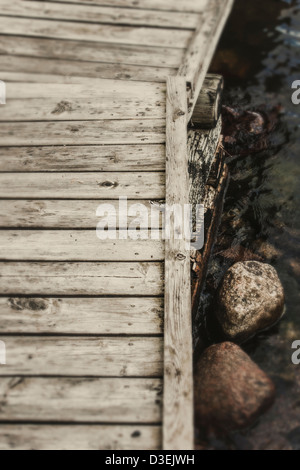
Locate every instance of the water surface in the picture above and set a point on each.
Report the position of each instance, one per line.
(259, 56)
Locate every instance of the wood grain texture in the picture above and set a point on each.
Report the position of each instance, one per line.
(97, 99)
(89, 357)
(91, 90)
(72, 214)
(202, 146)
(170, 5)
(116, 54)
(97, 14)
(208, 107)
(79, 245)
(35, 69)
(82, 185)
(106, 315)
(80, 437)
(76, 400)
(98, 33)
(202, 47)
(178, 431)
(58, 278)
(95, 158)
(83, 132)
(76, 109)
(213, 200)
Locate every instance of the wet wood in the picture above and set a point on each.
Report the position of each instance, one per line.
(101, 356)
(178, 376)
(110, 400)
(213, 202)
(98, 316)
(80, 437)
(202, 146)
(58, 278)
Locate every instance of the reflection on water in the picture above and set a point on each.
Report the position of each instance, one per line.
(259, 56)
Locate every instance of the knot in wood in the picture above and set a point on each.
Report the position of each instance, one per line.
(180, 257)
(177, 114)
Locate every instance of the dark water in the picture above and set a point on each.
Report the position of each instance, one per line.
(259, 55)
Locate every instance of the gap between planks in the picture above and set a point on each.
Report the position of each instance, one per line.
(117, 55)
(98, 33)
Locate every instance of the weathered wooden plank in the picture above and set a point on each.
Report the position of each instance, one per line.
(98, 14)
(170, 5)
(70, 213)
(109, 158)
(80, 437)
(83, 132)
(72, 109)
(110, 400)
(82, 185)
(101, 99)
(116, 54)
(68, 279)
(202, 47)
(99, 33)
(74, 214)
(100, 89)
(213, 199)
(79, 245)
(105, 315)
(16, 68)
(92, 356)
(178, 432)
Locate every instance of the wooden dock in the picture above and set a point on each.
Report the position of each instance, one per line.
(98, 332)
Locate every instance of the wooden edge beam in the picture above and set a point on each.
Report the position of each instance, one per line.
(213, 201)
(202, 47)
(178, 419)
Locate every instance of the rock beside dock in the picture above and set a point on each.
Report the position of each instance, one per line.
(251, 299)
(231, 391)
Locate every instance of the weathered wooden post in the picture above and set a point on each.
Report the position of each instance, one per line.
(208, 173)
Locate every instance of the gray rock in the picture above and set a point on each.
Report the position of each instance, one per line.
(251, 299)
(231, 392)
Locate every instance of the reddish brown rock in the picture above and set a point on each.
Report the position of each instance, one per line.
(231, 392)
